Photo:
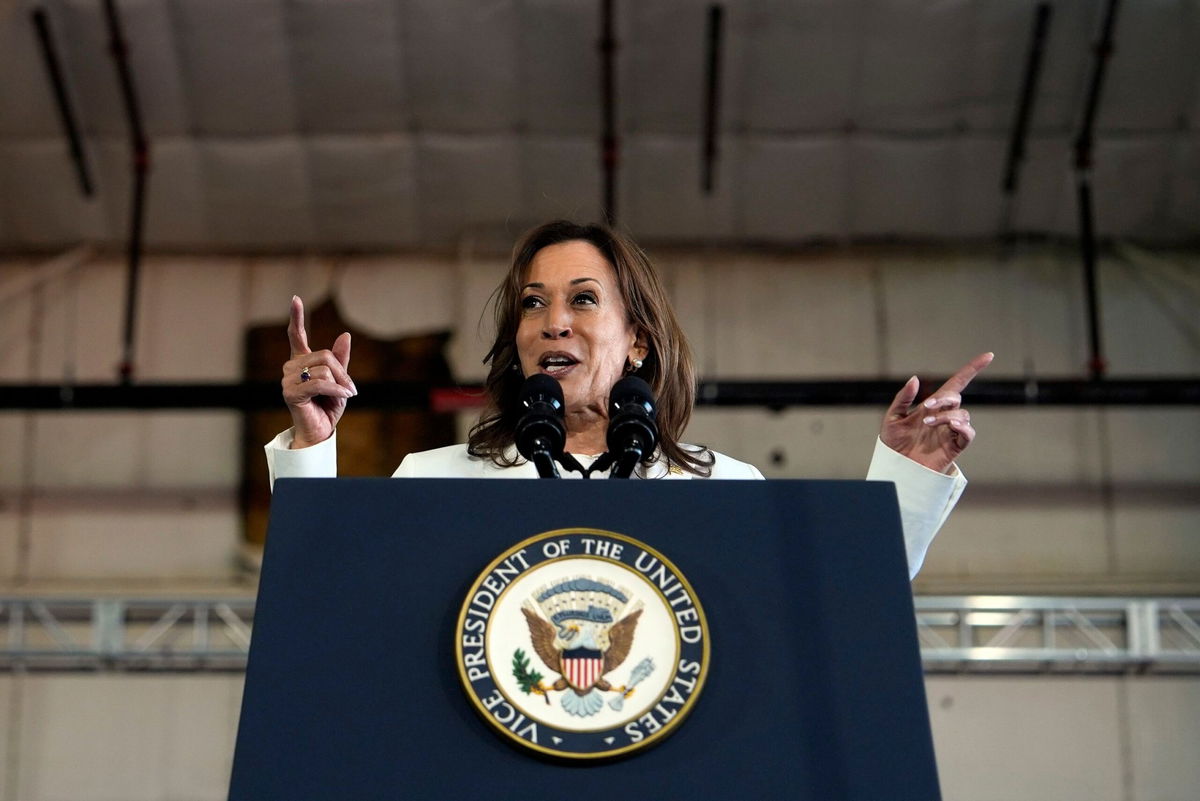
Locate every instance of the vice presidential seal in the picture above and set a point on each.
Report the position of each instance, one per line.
(582, 644)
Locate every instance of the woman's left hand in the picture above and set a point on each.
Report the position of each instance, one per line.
(936, 432)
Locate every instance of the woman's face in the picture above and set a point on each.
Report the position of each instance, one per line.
(573, 324)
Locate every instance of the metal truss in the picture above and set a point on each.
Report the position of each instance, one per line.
(162, 634)
(974, 634)
(1025, 634)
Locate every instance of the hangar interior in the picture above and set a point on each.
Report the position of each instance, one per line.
(835, 192)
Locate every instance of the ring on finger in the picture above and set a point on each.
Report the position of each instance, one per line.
(305, 375)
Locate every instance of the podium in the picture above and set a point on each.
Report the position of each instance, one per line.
(814, 688)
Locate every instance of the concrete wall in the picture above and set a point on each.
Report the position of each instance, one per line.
(160, 738)
(112, 737)
(1066, 499)
(1061, 500)
(1084, 739)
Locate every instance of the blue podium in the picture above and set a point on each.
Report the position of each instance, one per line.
(814, 687)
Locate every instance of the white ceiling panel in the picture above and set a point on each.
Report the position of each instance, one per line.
(365, 190)
(176, 211)
(42, 204)
(236, 58)
(463, 60)
(1123, 164)
(349, 74)
(150, 33)
(258, 191)
(659, 192)
(901, 187)
(800, 75)
(1183, 204)
(559, 72)
(86, 63)
(89, 68)
(176, 205)
(349, 124)
(974, 191)
(661, 82)
(26, 104)
(466, 183)
(913, 59)
(1046, 201)
(999, 34)
(562, 179)
(110, 158)
(1149, 90)
(799, 188)
(1066, 65)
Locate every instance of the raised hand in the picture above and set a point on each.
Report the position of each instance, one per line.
(316, 385)
(936, 432)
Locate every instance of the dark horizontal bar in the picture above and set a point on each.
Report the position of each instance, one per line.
(1048, 392)
(251, 396)
(248, 396)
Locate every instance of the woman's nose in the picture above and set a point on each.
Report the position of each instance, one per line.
(558, 323)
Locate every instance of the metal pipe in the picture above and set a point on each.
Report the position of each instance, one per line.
(1087, 250)
(1029, 87)
(141, 166)
(716, 18)
(1103, 53)
(255, 395)
(62, 99)
(609, 143)
(1084, 142)
(1049, 392)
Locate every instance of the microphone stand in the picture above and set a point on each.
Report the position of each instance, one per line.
(543, 459)
(628, 460)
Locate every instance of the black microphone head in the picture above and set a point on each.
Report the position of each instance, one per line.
(541, 387)
(631, 417)
(632, 389)
(541, 426)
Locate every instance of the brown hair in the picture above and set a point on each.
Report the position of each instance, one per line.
(668, 366)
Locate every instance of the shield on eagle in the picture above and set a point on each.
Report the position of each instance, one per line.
(579, 629)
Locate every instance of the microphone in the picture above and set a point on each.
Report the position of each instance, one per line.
(541, 433)
(632, 432)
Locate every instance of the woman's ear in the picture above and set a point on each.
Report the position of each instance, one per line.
(641, 347)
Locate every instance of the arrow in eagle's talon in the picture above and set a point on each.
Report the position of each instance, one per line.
(643, 669)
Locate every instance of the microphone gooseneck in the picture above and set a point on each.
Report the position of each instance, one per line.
(632, 430)
(541, 434)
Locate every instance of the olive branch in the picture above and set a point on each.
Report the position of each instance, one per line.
(530, 681)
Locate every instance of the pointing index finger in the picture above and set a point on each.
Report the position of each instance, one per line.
(959, 381)
(297, 336)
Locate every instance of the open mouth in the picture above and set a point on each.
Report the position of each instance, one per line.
(557, 364)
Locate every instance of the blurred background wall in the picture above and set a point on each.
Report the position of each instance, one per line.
(382, 156)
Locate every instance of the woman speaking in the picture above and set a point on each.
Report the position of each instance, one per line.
(583, 305)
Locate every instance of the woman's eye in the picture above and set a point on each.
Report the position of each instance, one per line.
(585, 297)
(530, 302)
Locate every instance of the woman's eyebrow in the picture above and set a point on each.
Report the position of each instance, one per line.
(574, 281)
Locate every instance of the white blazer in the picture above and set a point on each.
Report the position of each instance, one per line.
(926, 497)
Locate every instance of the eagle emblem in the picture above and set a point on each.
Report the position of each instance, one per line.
(580, 630)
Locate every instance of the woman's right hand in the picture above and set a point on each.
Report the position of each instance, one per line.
(316, 402)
